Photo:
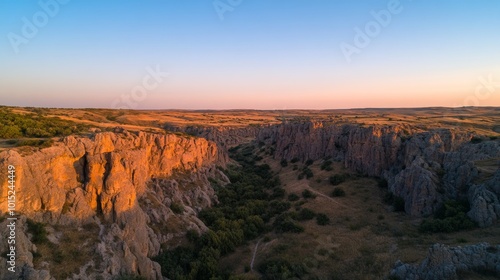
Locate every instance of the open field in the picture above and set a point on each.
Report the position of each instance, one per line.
(482, 120)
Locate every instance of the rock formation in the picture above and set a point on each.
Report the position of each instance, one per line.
(445, 263)
(422, 167)
(128, 185)
(123, 182)
(484, 200)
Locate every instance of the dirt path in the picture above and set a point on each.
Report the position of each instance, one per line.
(329, 198)
(254, 254)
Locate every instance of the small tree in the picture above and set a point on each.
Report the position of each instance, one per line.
(338, 192)
(307, 194)
(322, 219)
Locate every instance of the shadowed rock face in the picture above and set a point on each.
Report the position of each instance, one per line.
(121, 181)
(485, 203)
(422, 167)
(444, 262)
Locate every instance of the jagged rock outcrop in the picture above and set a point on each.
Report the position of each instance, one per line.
(113, 179)
(445, 263)
(485, 205)
(422, 167)
(24, 257)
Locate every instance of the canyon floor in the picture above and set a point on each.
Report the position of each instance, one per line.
(337, 178)
(364, 238)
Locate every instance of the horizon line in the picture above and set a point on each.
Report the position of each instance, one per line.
(252, 109)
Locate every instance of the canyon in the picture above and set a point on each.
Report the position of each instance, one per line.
(135, 193)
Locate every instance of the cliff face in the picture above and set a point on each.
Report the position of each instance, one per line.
(122, 182)
(126, 185)
(367, 150)
(445, 262)
(423, 168)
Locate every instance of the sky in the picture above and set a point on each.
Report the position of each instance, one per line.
(249, 54)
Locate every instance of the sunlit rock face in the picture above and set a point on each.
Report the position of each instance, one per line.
(123, 182)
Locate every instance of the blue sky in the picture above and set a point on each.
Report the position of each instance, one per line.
(263, 54)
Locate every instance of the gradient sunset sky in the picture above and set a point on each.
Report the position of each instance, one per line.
(261, 54)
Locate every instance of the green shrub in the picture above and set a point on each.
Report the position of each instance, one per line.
(281, 270)
(278, 207)
(305, 214)
(326, 165)
(450, 217)
(38, 231)
(322, 219)
(177, 208)
(309, 162)
(192, 235)
(10, 131)
(293, 197)
(284, 223)
(42, 143)
(338, 192)
(14, 125)
(337, 179)
(307, 194)
(284, 163)
(307, 173)
(294, 160)
(278, 193)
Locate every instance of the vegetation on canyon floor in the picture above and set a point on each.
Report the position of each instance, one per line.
(266, 204)
(253, 204)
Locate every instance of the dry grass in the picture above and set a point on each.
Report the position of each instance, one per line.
(363, 240)
(482, 120)
(74, 250)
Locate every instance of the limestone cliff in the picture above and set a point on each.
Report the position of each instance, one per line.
(445, 262)
(125, 183)
(422, 167)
